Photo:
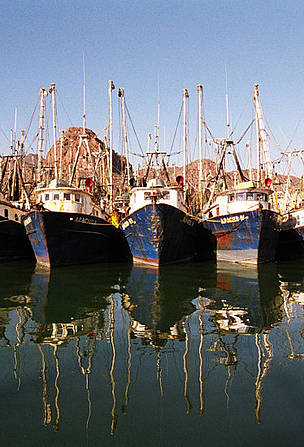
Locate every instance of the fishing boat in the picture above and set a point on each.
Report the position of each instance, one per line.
(243, 218)
(245, 226)
(158, 227)
(68, 225)
(69, 228)
(291, 239)
(14, 204)
(13, 240)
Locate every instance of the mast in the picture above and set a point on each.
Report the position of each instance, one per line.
(52, 92)
(111, 88)
(262, 142)
(148, 142)
(12, 141)
(227, 108)
(121, 93)
(84, 124)
(200, 140)
(43, 94)
(185, 96)
(248, 146)
(15, 130)
(60, 156)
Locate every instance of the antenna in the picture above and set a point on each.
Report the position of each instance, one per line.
(227, 106)
(156, 127)
(15, 130)
(84, 97)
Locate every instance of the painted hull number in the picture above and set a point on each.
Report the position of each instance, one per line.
(233, 219)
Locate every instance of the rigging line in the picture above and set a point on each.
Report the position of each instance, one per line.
(31, 120)
(238, 120)
(245, 132)
(136, 155)
(209, 131)
(31, 144)
(133, 128)
(293, 135)
(6, 137)
(174, 153)
(270, 131)
(64, 109)
(178, 121)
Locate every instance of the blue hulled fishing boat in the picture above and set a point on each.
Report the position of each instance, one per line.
(158, 228)
(69, 228)
(245, 218)
(244, 225)
(68, 225)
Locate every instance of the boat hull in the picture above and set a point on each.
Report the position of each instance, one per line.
(60, 238)
(291, 239)
(162, 234)
(249, 237)
(14, 243)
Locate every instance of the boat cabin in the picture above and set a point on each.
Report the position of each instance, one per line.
(61, 197)
(245, 197)
(156, 191)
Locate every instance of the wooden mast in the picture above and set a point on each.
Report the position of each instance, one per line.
(52, 92)
(43, 94)
(125, 137)
(200, 142)
(185, 96)
(111, 88)
(263, 154)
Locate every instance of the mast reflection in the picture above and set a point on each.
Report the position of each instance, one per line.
(69, 305)
(245, 302)
(119, 338)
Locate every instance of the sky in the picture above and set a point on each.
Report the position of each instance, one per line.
(154, 49)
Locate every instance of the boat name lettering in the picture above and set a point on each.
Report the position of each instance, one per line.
(233, 219)
(188, 221)
(84, 220)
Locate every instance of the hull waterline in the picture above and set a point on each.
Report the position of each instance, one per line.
(60, 238)
(249, 237)
(161, 234)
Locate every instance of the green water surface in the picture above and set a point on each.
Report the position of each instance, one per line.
(115, 355)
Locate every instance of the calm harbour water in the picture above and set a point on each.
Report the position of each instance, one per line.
(195, 354)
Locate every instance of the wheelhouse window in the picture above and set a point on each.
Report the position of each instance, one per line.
(147, 195)
(77, 197)
(230, 197)
(239, 196)
(262, 197)
(67, 196)
(47, 197)
(5, 213)
(250, 196)
(56, 196)
(166, 195)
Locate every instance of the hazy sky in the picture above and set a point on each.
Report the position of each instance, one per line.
(136, 43)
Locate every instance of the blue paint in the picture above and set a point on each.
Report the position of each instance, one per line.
(162, 234)
(250, 236)
(60, 238)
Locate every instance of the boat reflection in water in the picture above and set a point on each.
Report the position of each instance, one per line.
(244, 302)
(105, 354)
